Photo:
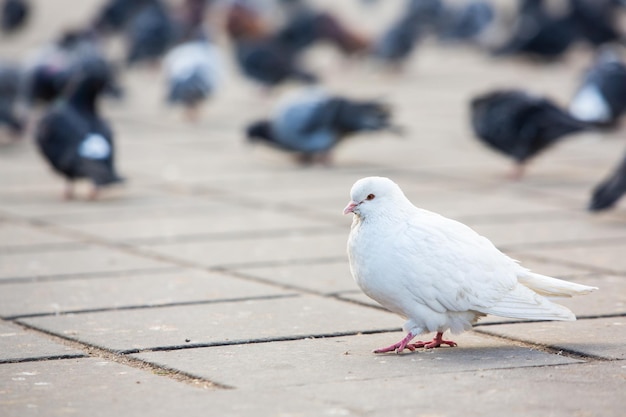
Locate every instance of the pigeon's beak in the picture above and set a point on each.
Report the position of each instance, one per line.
(350, 207)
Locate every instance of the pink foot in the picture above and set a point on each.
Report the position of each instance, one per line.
(435, 343)
(400, 346)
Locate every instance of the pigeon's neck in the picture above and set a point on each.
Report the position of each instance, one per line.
(85, 100)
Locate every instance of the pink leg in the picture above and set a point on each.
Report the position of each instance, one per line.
(398, 347)
(518, 172)
(436, 342)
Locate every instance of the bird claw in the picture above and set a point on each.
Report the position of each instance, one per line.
(404, 344)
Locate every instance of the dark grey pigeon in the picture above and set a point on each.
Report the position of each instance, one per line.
(114, 15)
(601, 98)
(520, 125)
(15, 14)
(312, 123)
(73, 137)
(466, 22)
(150, 33)
(539, 34)
(609, 191)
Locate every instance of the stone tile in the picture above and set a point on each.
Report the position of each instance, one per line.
(18, 344)
(295, 247)
(603, 256)
(100, 388)
(126, 290)
(566, 229)
(83, 260)
(341, 359)
(15, 236)
(596, 337)
(216, 323)
(237, 220)
(558, 391)
(323, 278)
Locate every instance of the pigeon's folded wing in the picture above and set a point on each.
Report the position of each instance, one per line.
(456, 269)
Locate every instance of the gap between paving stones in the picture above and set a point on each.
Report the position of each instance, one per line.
(150, 306)
(91, 351)
(87, 275)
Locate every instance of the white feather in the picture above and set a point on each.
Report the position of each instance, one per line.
(94, 146)
(589, 105)
(438, 273)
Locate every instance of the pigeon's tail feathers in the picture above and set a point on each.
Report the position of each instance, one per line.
(523, 303)
(553, 287)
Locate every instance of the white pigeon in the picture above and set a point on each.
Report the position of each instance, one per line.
(437, 273)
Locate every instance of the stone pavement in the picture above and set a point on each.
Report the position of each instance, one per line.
(216, 281)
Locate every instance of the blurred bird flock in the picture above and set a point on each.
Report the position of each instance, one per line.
(195, 45)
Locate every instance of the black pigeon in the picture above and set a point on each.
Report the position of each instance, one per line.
(49, 73)
(520, 125)
(114, 15)
(194, 71)
(601, 98)
(15, 14)
(609, 191)
(150, 33)
(596, 21)
(538, 34)
(10, 80)
(312, 123)
(73, 137)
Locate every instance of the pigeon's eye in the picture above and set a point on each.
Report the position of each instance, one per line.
(370, 197)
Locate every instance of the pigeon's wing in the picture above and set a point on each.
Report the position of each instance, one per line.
(468, 273)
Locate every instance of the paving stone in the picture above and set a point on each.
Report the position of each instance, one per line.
(125, 291)
(237, 221)
(605, 256)
(14, 236)
(217, 323)
(18, 344)
(596, 337)
(83, 260)
(527, 233)
(324, 277)
(558, 391)
(293, 247)
(100, 388)
(339, 359)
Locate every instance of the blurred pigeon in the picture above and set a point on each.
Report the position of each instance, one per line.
(150, 33)
(10, 81)
(609, 191)
(260, 56)
(308, 27)
(601, 99)
(466, 22)
(48, 73)
(520, 125)
(397, 43)
(538, 34)
(114, 15)
(438, 273)
(194, 70)
(73, 137)
(14, 16)
(596, 21)
(312, 123)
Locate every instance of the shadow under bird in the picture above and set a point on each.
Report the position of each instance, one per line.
(520, 125)
(312, 123)
(606, 194)
(72, 136)
(601, 98)
(438, 273)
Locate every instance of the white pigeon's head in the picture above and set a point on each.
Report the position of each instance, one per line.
(372, 195)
